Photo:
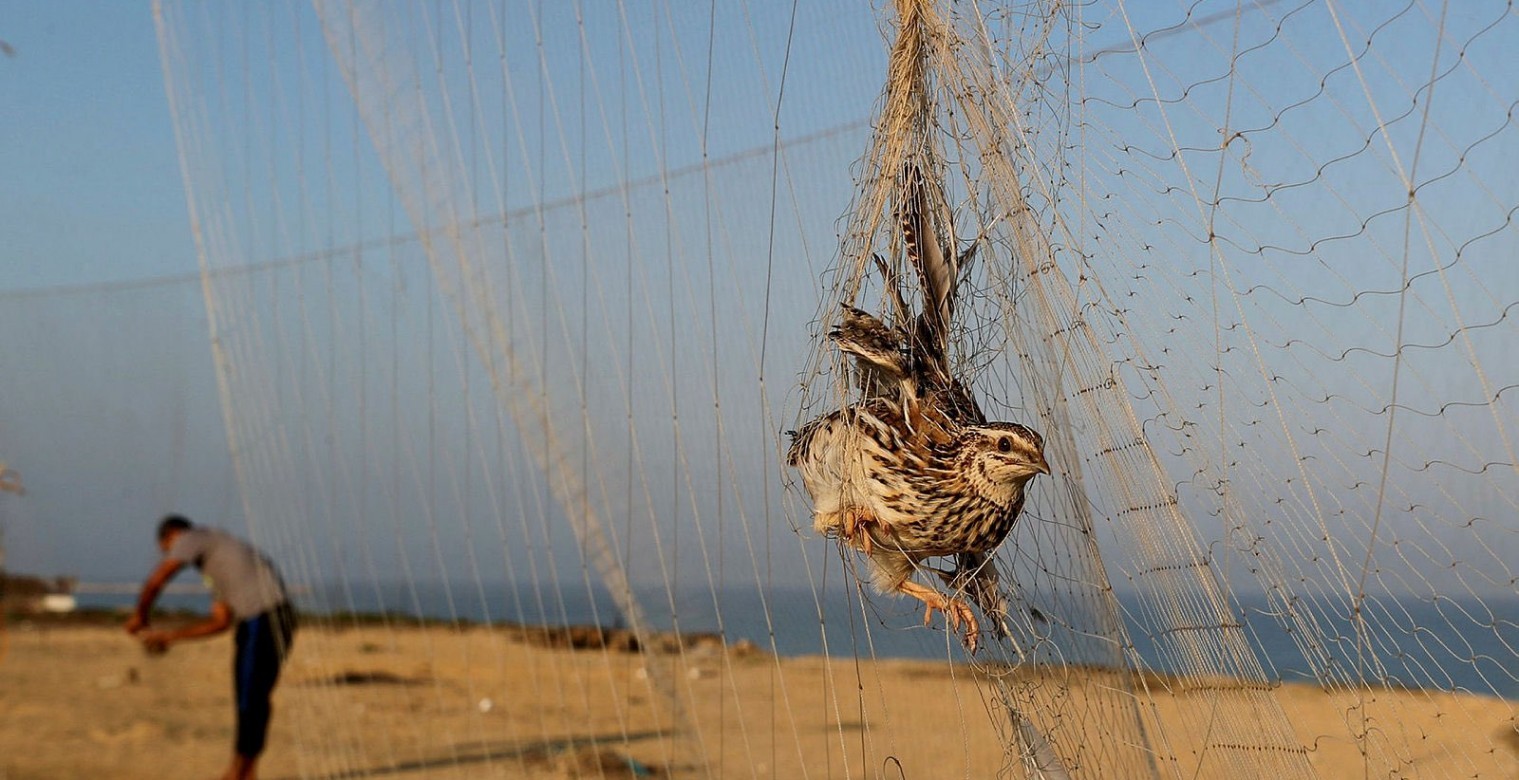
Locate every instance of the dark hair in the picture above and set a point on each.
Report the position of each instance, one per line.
(170, 524)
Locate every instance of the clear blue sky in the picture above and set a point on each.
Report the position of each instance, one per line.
(92, 188)
(93, 195)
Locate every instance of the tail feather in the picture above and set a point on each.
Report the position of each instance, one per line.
(924, 249)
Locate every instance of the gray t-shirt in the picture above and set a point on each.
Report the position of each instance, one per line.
(238, 574)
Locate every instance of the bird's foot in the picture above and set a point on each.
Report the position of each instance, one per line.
(957, 613)
(853, 528)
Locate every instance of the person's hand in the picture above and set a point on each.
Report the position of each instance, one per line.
(135, 624)
(156, 642)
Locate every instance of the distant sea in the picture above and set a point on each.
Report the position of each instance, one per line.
(1456, 644)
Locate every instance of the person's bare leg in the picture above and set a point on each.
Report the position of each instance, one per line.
(242, 768)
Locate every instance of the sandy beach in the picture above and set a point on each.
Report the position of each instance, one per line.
(80, 701)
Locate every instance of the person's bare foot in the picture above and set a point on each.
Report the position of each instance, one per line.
(241, 769)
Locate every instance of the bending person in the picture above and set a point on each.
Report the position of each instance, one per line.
(247, 591)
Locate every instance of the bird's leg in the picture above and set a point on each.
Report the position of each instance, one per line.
(955, 611)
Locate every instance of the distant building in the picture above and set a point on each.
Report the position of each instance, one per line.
(31, 595)
(58, 603)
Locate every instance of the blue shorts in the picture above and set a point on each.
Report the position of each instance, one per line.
(263, 641)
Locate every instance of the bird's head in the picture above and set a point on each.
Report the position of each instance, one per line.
(1001, 458)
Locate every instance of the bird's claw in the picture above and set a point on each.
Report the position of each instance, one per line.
(852, 528)
(956, 615)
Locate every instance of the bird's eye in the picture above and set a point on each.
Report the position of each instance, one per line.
(1004, 444)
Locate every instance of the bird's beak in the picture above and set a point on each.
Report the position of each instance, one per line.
(1043, 466)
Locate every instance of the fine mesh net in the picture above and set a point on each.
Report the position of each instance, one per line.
(510, 306)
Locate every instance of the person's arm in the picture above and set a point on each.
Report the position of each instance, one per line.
(150, 590)
(219, 621)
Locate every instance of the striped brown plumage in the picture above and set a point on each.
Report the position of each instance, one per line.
(913, 470)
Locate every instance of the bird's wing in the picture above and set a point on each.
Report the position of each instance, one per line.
(938, 272)
(897, 305)
(876, 346)
(801, 442)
